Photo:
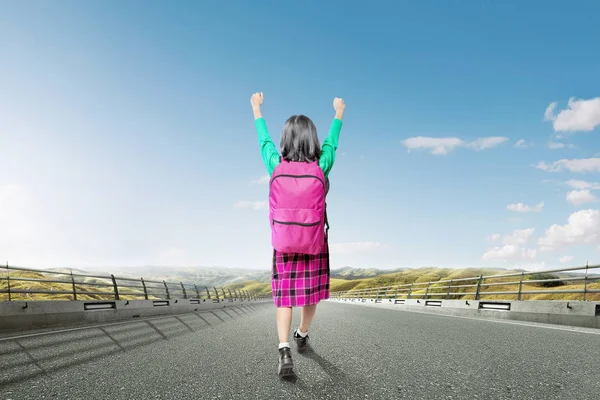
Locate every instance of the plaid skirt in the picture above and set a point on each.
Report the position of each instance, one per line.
(300, 279)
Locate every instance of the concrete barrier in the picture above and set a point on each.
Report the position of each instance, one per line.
(572, 313)
(27, 315)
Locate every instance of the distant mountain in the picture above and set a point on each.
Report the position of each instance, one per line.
(343, 279)
(350, 273)
(202, 276)
(220, 276)
(214, 276)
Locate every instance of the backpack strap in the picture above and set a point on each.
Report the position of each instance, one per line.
(326, 192)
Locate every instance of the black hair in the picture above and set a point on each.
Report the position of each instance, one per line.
(299, 140)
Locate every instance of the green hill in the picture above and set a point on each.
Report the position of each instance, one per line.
(431, 274)
(350, 273)
(345, 279)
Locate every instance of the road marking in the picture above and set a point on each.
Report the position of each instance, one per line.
(578, 329)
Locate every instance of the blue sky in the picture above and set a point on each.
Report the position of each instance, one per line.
(127, 138)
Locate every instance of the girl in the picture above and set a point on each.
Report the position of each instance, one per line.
(298, 280)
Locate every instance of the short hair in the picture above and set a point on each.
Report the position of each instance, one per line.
(299, 140)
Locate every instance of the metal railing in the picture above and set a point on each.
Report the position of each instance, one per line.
(450, 288)
(67, 285)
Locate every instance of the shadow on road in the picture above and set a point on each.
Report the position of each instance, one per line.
(331, 370)
(335, 373)
(29, 355)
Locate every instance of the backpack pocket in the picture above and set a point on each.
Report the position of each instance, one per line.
(297, 230)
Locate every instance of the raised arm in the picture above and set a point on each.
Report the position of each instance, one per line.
(339, 106)
(268, 151)
(330, 144)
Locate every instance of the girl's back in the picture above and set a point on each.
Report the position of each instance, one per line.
(297, 213)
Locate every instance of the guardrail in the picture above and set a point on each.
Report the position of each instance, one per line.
(437, 289)
(78, 286)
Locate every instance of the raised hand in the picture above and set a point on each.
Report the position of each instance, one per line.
(256, 100)
(339, 106)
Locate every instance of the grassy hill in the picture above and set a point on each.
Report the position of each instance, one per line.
(56, 287)
(406, 277)
(345, 279)
(350, 273)
(209, 276)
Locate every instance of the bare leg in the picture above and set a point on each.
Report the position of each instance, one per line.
(306, 317)
(284, 323)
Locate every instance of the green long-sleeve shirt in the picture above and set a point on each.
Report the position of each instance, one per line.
(270, 155)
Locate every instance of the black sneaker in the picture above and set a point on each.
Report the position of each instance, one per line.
(285, 362)
(302, 342)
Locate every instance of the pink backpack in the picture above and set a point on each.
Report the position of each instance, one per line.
(297, 207)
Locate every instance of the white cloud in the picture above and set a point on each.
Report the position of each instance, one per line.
(574, 165)
(520, 207)
(25, 233)
(495, 237)
(577, 184)
(581, 115)
(566, 259)
(173, 256)
(15, 213)
(532, 266)
(555, 145)
(263, 180)
(577, 197)
(518, 237)
(583, 227)
(255, 205)
(522, 144)
(509, 252)
(513, 247)
(558, 145)
(10, 196)
(549, 113)
(442, 146)
(487, 142)
(355, 247)
(436, 145)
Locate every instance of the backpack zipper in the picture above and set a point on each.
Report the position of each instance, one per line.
(296, 223)
(298, 176)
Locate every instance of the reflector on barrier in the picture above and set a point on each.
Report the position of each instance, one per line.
(100, 306)
(495, 306)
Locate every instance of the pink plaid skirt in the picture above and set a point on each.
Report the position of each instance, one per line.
(300, 279)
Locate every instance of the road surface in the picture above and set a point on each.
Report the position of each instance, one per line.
(357, 352)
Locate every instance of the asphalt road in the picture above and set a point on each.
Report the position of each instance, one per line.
(357, 352)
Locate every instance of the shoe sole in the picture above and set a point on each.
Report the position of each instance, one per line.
(302, 348)
(286, 368)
